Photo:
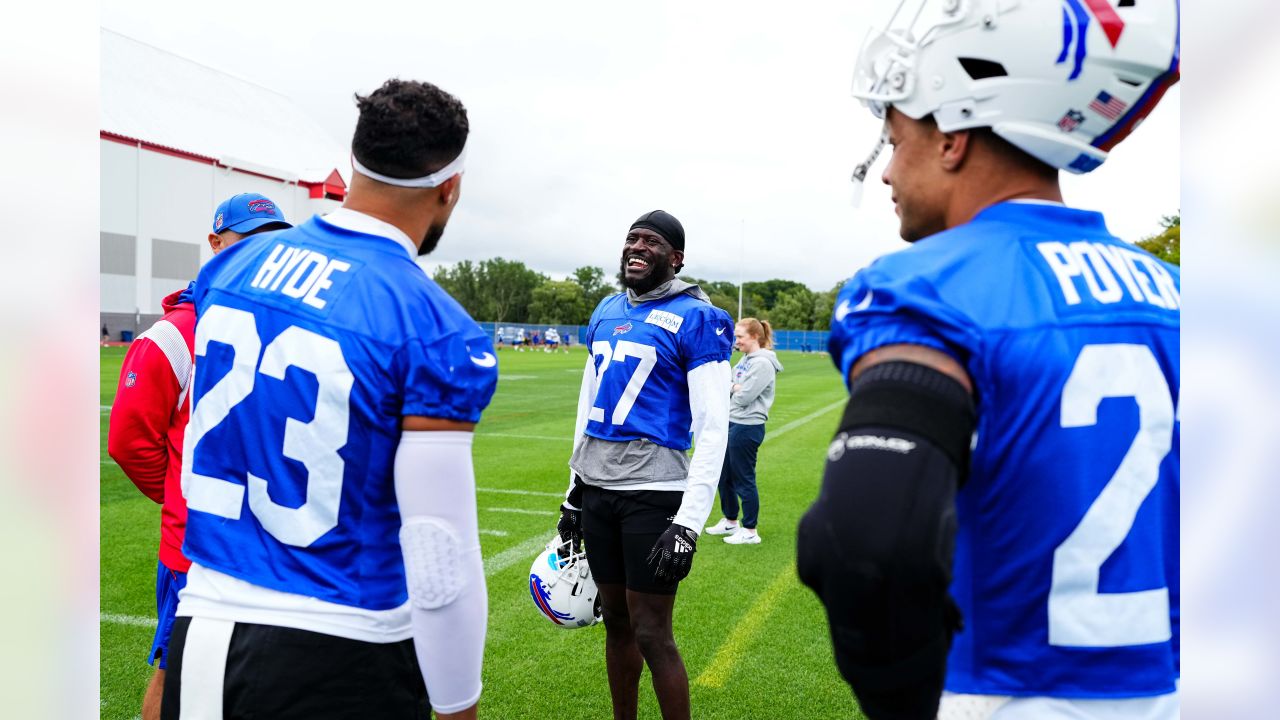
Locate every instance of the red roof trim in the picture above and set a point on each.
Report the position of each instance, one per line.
(324, 188)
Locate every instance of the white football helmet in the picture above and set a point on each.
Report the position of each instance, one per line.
(562, 588)
(1064, 81)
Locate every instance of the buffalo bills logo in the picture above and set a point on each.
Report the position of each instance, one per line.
(622, 329)
(131, 379)
(217, 223)
(542, 599)
(1075, 30)
(262, 206)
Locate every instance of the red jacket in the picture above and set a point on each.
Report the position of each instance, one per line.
(149, 418)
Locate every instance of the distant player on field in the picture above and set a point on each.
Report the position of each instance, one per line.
(332, 528)
(658, 369)
(997, 530)
(553, 339)
(149, 417)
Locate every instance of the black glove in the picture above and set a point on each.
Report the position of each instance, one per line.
(570, 529)
(672, 556)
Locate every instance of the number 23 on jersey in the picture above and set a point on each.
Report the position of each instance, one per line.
(314, 444)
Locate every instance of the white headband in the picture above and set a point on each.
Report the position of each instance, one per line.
(435, 179)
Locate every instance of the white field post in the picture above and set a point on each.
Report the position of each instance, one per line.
(742, 258)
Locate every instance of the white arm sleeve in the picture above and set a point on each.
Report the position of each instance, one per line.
(439, 537)
(710, 407)
(586, 398)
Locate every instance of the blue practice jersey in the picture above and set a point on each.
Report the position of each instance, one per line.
(311, 344)
(643, 355)
(1066, 562)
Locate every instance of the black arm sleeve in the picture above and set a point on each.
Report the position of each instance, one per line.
(876, 546)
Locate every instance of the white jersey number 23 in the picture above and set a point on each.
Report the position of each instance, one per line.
(315, 444)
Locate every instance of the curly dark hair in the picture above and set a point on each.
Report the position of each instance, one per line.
(408, 129)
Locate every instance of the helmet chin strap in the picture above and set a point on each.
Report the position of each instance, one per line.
(860, 171)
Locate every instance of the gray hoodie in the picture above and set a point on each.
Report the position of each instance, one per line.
(637, 462)
(755, 374)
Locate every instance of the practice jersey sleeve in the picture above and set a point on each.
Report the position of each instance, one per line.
(888, 305)
(708, 339)
(450, 378)
(146, 398)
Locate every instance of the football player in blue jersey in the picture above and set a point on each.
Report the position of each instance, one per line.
(654, 381)
(332, 518)
(996, 535)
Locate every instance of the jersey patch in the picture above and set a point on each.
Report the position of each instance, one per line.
(665, 320)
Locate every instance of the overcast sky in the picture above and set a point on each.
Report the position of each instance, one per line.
(735, 117)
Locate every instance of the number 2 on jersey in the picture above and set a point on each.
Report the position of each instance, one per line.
(1080, 615)
(648, 356)
(315, 444)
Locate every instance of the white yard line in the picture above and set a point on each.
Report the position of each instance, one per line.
(519, 511)
(524, 552)
(773, 434)
(134, 620)
(508, 491)
(559, 438)
(495, 533)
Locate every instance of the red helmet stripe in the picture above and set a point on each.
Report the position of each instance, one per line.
(1111, 23)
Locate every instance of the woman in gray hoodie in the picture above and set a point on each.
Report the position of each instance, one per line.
(750, 397)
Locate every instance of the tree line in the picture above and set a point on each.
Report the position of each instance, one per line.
(1166, 244)
(508, 291)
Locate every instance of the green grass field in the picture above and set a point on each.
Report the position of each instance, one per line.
(753, 638)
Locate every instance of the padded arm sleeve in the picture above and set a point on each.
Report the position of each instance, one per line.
(877, 544)
(439, 536)
(710, 406)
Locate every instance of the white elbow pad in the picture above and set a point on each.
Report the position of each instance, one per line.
(432, 561)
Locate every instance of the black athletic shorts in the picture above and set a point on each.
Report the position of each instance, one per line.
(278, 672)
(619, 528)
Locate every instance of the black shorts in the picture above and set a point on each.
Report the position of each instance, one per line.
(278, 672)
(619, 529)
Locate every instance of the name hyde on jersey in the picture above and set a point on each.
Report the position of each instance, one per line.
(298, 273)
(1108, 273)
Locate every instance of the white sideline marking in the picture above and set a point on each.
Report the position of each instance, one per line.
(134, 620)
(104, 408)
(517, 377)
(523, 552)
(801, 421)
(495, 533)
(562, 438)
(520, 511)
(539, 493)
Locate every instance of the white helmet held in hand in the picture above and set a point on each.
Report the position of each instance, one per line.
(562, 587)
(1063, 81)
